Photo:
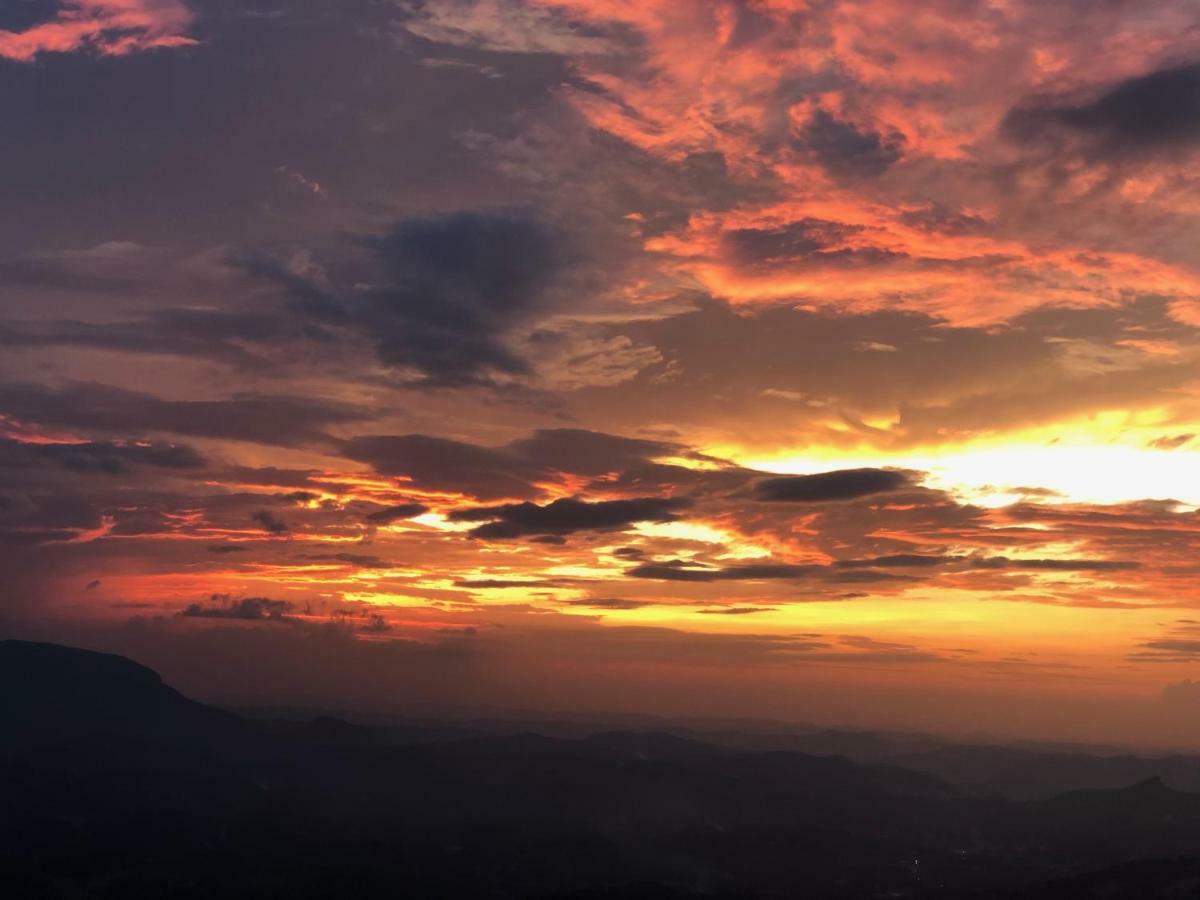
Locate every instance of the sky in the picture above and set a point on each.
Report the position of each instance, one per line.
(832, 361)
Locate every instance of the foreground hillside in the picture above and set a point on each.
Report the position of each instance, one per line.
(115, 786)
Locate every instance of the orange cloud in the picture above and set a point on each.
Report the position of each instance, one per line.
(859, 113)
(106, 27)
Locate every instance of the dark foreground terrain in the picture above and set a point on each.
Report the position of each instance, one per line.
(112, 785)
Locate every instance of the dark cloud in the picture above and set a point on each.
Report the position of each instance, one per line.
(101, 458)
(250, 341)
(1056, 565)
(609, 603)
(458, 284)
(666, 478)
(48, 514)
(446, 465)
(298, 497)
(796, 240)
(393, 513)
(135, 522)
(269, 522)
(679, 570)
(937, 218)
(273, 476)
(1156, 111)
(896, 560)
(843, 484)
(226, 548)
(266, 420)
(567, 516)
(375, 624)
(357, 560)
(28, 537)
(437, 295)
(488, 583)
(1169, 650)
(911, 560)
(847, 152)
(513, 470)
(1179, 642)
(867, 576)
(588, 452)
(251, 609)
(736, 610)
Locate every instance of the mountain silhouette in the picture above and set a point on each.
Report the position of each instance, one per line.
(51, 694)
(115, 785)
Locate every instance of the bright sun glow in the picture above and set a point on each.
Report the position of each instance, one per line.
(998, 475)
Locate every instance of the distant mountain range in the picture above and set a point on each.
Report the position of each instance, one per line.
(114, 785)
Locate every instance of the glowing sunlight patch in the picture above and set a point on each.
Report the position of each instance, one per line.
(1000, 475)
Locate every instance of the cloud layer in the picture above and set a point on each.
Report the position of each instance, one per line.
(694, 351)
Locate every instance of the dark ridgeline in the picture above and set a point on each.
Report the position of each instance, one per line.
(113, 785)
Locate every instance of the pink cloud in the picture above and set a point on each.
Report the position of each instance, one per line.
(107, 27)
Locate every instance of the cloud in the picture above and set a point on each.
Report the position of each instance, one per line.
(1153, 112)
(1179, 643)
(910, 560)
(101, 457)
(100, 407)
(846, 151)
(513, 470)
(458, 284)
(505, 26)
(250, 609)
(394, 513)
(439, 296)
(248, 340)
(588, 452)
(502, 583)
(270, 523)
(896, 560)
(843, 484)
(736, 610)
(802, 239)
(1170, 650)
(567, 516)
(863, 571)
(1057, 565)
(867, 576)
(105, 27)
(357, 560)
(679, 570)
(937, 218)
(835, 176)
(1171, 442)
(618, 603)
(447, 465)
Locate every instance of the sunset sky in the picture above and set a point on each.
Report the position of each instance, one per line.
(833, 361)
